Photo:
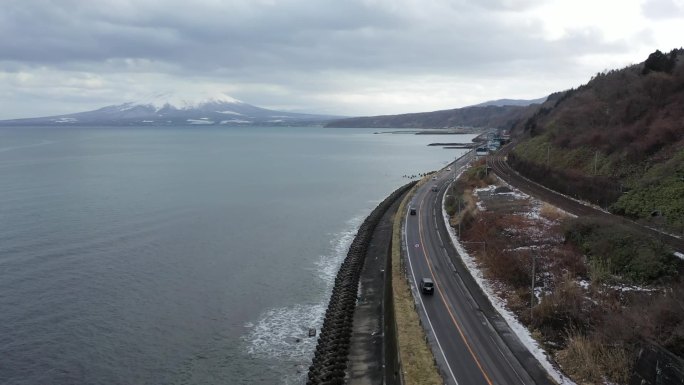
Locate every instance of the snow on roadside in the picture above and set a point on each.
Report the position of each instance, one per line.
(489, 188)
(500, 305)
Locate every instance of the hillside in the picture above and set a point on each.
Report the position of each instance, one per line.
(617, 141)
(475, 116)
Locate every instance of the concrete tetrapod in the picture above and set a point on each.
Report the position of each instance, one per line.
(330, 357)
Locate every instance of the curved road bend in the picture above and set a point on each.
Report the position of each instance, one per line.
(471, 342)
(499, 165)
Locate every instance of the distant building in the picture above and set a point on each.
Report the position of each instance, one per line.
(481, 151)
(494, 144)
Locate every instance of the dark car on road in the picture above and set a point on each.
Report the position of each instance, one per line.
(435, 188)
(427, 286)
(412, 210)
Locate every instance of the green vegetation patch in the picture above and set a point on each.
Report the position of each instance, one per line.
(534, 149)
(587, 160)
(452, 204)
(633, 256)
(459, 203)
(478, 175)
(659, 193)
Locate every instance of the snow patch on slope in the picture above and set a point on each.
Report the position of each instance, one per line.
(184, 101)
(238, 121)
(230, 113)
(200, 121)
(65, 120)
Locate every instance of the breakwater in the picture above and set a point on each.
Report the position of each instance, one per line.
(329, 363)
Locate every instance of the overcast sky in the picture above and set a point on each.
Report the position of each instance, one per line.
(346, 57)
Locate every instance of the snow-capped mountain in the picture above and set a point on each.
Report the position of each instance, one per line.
(179, 109)
(184, 101)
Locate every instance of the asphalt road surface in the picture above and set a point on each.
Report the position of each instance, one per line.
(471, 342)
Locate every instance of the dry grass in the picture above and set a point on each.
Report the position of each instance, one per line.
(601, 345)
(417, 362)
(565, 308)
(468, 211)
(470, 200)
(589, 361)
(552, 212)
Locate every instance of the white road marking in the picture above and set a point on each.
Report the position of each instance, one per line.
(420, 298)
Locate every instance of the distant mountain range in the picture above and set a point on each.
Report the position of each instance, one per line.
(172, 109)
(502, 113)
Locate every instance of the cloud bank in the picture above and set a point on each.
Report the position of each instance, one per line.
(352, 57)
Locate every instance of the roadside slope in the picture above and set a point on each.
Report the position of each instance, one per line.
(511, 176)
(616, 142)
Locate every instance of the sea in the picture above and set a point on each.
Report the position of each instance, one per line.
(182, 255)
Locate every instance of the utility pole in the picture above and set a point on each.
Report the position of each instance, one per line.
(532, 288)
(595, 161)
(548, 154)
(459, 218)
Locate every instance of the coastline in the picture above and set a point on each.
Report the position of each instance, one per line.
(330, 358)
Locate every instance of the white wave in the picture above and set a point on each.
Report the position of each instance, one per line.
(282, 333)
(328, 265)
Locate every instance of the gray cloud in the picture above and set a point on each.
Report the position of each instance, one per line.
(663, 9)
(295, 35)
(293, 49)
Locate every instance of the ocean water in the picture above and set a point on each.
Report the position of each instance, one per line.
(188, 255)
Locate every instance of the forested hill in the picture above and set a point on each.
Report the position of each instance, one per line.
(487, 116)
(617, 141)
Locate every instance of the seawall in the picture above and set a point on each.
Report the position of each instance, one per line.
(330, 359)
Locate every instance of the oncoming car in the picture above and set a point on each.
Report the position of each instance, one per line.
(427, 286)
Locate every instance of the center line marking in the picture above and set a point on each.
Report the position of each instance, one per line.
(441, 296)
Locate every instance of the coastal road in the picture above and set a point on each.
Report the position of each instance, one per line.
(471, 342)
(499, 165)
